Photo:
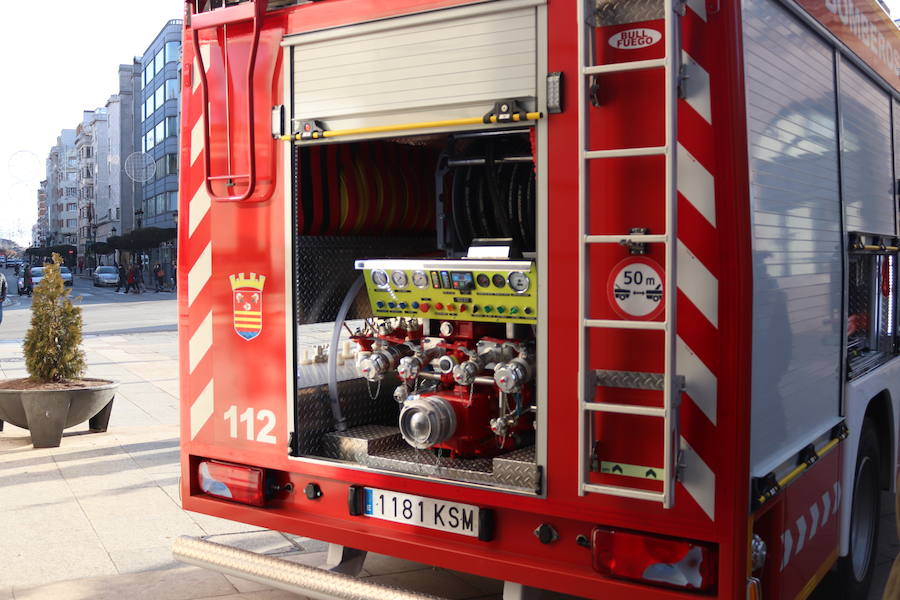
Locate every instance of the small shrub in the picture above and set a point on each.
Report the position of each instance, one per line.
(53, 343)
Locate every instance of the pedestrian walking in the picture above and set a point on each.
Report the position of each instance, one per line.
(26, 280)
(129, 279)
(122, 282)
(174, 276)
(159, 274)
(139, 279)
(4, 289)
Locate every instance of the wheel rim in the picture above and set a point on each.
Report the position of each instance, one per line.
(864, 519)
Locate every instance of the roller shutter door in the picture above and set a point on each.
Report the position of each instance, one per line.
(446, 64)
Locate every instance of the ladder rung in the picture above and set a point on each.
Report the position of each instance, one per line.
(635, 380)
(625, 409)
(625, 152)
(628, 237)
(632, 65)
(617, 324)
(614, 490)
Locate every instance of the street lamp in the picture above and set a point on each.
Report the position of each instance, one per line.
(139, 214)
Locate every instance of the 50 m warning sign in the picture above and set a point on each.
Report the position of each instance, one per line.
(636, 288)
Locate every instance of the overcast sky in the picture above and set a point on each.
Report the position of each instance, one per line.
(57, 59)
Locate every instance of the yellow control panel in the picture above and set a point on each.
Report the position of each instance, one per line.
(452, 289)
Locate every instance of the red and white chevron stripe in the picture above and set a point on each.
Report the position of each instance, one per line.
(698, 267)
(201, 386)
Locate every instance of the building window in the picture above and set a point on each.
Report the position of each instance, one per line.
(160, 131)
(71, 206)
(160, 95)
(172, 164)
(160, 204)
(159, 61)
(71, 222)
(171, 89)
(117, 213)
(171, 126)
(173, 51)
(148, 107)
(149, 141)
(173, 198)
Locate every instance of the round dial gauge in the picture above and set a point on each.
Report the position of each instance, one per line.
(499, 280)
(420, 279)
(400, 279)
(483, 280)
(518, 281)
(379, 278)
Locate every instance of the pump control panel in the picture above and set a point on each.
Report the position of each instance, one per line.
(452, 289)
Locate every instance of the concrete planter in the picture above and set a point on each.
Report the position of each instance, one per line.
(45, 413)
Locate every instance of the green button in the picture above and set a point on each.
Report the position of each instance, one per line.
(501, 309)
(513, 311)
(488, 308)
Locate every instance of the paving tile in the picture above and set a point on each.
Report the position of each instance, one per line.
(437, 582)
(214, 525)
(44, 563)
(484, 585)
(142, 531)
(244, 585)
(186, 583)
(127, 502)
(380, 564)
(148, 559)
(267, 594)
(261, 542)
(6, 593)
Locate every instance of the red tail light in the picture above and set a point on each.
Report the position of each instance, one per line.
(239, 483)
(675, 563)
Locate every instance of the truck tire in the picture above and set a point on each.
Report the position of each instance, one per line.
(856, 569)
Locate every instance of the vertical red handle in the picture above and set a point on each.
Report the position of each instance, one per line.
(255, 11)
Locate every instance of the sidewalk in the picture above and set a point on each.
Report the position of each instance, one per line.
(96, 517)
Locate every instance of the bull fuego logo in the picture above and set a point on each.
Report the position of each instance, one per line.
(248, 304)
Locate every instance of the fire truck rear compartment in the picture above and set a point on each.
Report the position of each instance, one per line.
(423, 196)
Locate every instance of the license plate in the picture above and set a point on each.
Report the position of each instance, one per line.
(422, 512)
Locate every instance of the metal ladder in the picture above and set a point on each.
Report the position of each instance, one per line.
(668, 382)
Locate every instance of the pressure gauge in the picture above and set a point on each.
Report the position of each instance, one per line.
(498, 280)
(420, 279)
(379, 278)
(518, 282)
(400, 279)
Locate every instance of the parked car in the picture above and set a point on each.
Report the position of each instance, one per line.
(106, 275)
(37, 273)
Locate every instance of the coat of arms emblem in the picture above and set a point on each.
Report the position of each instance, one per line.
(247, 304)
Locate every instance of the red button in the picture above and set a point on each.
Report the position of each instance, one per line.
(439, 306)
(451, 307)
(462, 308)
(424, 307)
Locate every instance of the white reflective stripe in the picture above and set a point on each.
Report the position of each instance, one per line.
(696, 86)
(202, 409)
(697, 185)
(698, 284)
(837, 497)
(200, 342)
(699, 382)
(787, 543)
(826, 502)
(801, 533)
(198, 208)
(698, 6)
(200, 274)
(196, 140)
(204, 54)
(699, 480)
(814, 520)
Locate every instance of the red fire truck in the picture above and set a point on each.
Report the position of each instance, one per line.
(594, 296)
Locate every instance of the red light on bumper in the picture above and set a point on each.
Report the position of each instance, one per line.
(675, 563)
(238, 483)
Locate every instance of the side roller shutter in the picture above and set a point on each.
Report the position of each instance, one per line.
(434, 66)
